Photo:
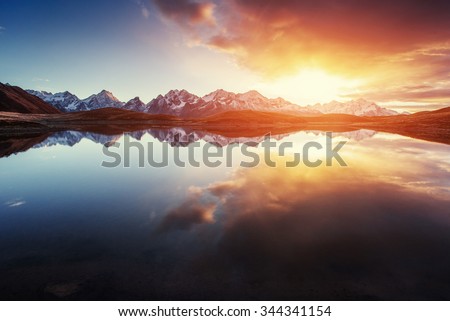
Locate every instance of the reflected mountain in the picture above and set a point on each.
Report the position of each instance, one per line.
(71, 138)
(14, 145)
(356, 135)
(176, 137)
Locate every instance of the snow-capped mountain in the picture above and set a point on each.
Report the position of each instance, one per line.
(68, 102)
(178, 103)
(135, 104)
(360, 107)
(182, 103)
(64, 101)
(221, 100)
(101, 100)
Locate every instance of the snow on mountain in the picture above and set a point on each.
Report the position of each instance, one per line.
(44, 95)
(181, 103)
(184, 104)
(360, 107)
(135, 104)
(71, 138)
(64, 101)
(68, 102)
(175, 102)
(221, 100)
(101, 100)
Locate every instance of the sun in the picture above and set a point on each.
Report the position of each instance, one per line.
(309, 86)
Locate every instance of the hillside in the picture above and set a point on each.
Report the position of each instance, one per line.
(15, 99)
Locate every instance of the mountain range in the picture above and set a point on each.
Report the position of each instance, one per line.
(184, 104)
(68, 102)
(221, 113)
(360, 107)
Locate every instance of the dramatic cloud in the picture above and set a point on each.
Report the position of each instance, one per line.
(356, 38)
(275, 36)
(408, 94)
(186, 11)
(190, 213)
(419, 79)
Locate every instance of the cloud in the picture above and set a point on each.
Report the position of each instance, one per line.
(193, 211)
(37, 79)
(15, 202)
(186, 12)
(145, 12)
(420, 77)
(406, 94)
(2, 29)
(355, 38)
(276, 36)
(144, 9)
(221, 189)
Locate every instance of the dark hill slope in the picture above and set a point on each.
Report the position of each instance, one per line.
(15, 99)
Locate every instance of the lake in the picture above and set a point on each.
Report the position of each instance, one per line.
(70, 228)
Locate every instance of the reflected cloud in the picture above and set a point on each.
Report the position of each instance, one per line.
(15, 202)
(375, 230)
(190, 213)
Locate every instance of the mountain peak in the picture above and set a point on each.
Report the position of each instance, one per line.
(106, 93)
(135, 104)
(217, 94)
(178, 92)
(358, 107)
(252, 94)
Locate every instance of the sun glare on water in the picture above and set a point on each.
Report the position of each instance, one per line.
(309, 86)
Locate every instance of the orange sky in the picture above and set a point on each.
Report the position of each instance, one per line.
(396, 53)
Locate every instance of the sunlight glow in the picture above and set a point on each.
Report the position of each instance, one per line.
(309, 86)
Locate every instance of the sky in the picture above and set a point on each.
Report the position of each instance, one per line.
(396, 53)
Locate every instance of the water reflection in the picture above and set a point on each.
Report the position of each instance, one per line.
(176, 137)
(330, 233)
(377, 229)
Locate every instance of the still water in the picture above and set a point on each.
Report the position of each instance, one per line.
(72, 229)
